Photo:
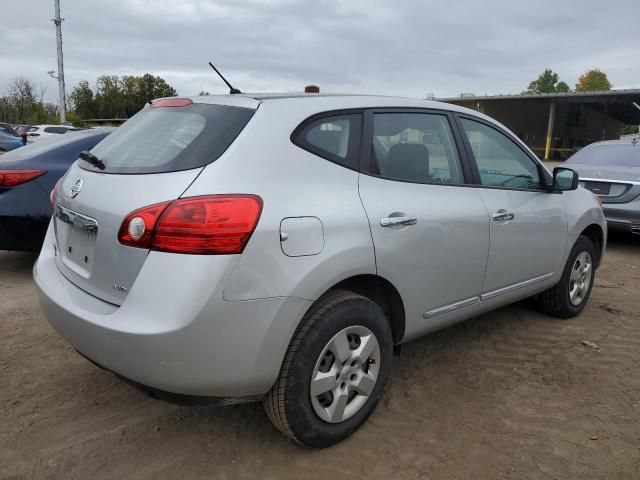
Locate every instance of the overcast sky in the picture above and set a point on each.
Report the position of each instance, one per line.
(400, 47)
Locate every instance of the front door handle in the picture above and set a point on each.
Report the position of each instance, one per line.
(502, 216)
(392, 221)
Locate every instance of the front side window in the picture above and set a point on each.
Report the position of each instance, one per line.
(500, 161)
(415, 147)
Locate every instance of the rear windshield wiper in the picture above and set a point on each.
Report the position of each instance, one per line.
(92, 159)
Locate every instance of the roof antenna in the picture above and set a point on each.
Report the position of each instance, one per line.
(232, 90)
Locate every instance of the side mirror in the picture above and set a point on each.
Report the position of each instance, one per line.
(565, 179)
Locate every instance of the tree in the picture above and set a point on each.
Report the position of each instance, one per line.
(547, 82)
(81, 99)
(109, 97)
(118, 97)
(23, 97)
(593, 80)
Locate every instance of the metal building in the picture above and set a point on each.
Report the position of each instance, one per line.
(555, 125)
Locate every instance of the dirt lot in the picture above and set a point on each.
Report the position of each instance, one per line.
(512, 394)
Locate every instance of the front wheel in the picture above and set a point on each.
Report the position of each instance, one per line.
(567, 298)
(334, 371)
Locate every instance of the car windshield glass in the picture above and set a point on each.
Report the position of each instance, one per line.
(8, 130)
(608, 156)
(169, 139)
(41, 146)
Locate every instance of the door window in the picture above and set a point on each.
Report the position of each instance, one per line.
(415, 147)
(500, 161)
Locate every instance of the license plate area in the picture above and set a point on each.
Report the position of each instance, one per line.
(76, 235)
(599, 188)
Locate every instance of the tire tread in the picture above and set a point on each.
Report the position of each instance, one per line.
(274, 401)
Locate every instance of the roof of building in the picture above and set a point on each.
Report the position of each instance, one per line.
(634, 92)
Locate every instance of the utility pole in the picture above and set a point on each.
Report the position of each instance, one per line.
(58, 21)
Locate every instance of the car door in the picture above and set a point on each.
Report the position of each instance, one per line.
(528, 222)
(429, 226)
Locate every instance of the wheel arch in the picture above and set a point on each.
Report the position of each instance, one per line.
(595, 233)
(382, 292)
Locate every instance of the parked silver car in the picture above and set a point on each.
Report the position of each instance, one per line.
(276, 248)
(611, 169)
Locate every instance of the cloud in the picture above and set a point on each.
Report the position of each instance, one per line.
(407, 48)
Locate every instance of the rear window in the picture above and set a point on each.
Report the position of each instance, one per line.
(621, 155)
(55, 130)
(158, 140)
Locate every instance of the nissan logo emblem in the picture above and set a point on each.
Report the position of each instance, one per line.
(77, 187)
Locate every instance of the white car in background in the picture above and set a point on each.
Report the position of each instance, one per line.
(37, 132)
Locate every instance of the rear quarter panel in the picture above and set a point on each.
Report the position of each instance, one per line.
(292, 183)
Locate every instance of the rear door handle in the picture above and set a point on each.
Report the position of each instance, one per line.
(392, 221)
(502, 216)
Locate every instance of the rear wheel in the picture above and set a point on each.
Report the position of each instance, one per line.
(334, 371)
(567, 298)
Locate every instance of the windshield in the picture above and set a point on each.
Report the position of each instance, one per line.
(8, 130)
(169, 139)
(612, 155)
(31, 150)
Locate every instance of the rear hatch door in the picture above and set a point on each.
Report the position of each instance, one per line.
(152, 158)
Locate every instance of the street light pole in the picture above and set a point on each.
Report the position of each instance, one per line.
(58, 21)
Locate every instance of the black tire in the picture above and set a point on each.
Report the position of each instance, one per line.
(288, 403)
(555, 301)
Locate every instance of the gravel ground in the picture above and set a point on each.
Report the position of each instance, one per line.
(511, 394)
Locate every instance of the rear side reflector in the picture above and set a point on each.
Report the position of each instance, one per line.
(11, 178)
(171, 102)
(206, 225)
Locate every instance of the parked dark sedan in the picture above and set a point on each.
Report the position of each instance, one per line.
(27, 176)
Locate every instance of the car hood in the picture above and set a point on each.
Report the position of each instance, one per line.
(607, 172)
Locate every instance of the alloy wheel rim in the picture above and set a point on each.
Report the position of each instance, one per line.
(345, 374)
(580, 279)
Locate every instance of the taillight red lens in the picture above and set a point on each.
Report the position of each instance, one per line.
(54, 193)
(11, 178)
(137, 228)
(213, 224)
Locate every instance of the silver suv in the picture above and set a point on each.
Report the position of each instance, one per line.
(230, 248)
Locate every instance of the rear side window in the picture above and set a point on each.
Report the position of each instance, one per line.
(336, 138)
(55, 130)
(158, 140)
(415, 147)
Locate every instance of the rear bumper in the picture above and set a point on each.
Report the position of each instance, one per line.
(625, 216)
(173, 333)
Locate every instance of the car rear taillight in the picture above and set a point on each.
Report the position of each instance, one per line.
(11, 178)
(54, 193)
(598, 199)
(212, 224)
